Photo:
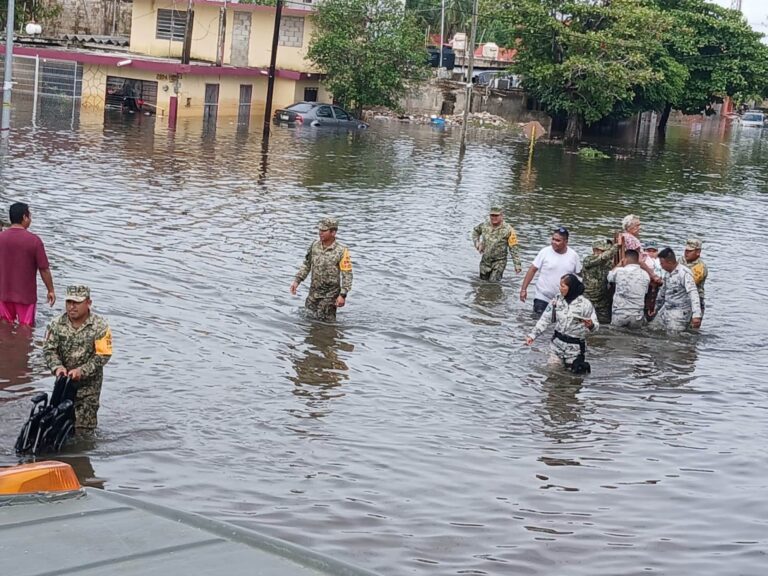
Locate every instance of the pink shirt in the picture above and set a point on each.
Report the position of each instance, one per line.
(632, 243)
(22, 254)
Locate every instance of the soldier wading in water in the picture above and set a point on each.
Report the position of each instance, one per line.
(331, 267)
(78, 344)
(493, 239)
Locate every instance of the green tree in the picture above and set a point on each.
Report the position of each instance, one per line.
(26, 11)
(588, 59)
(723, 56)
(369, 50)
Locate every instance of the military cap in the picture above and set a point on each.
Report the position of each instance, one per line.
(328, 224)
(693, 244)
(495, 210)
(78, 293)
(601, 244)
(651, 245)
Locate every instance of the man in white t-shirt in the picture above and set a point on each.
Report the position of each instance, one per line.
(552, 263)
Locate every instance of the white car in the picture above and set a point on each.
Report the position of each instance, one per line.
(753, 118)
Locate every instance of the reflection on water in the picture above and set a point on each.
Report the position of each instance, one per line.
(320, 369)
(16, 344)
(417, 434)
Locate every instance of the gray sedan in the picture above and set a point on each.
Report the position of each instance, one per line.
(317, 114)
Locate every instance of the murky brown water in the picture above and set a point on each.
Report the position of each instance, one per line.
(417, 435)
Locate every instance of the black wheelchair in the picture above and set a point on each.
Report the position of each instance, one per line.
(51, 423)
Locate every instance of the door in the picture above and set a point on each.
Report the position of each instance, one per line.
(324, 116)
(342, 117)
(211, 106)
(244, 110)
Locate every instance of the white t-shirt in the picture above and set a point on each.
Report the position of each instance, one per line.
(553, 266)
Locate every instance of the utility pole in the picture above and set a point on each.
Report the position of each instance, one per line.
(470, 68)
(8, 77)
(736, 5)
(272, 64)
(186, 50)
(222, 34)
(442, 32)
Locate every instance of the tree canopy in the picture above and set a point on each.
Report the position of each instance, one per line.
(593, 59)
(369, 50)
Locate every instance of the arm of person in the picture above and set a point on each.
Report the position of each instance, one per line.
(476, 233)
(693, 294)
(48, 281)
(612, 276)
(345, 268)
(592, 323)
(303, 272)
(102, 347)
(51, 352)
(526, 281)
(541, 325)
(514, 250)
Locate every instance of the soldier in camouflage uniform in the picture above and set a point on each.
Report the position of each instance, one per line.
(498, 238)
(692, 260)
(78, 344)
(331, 267)
(594, 272)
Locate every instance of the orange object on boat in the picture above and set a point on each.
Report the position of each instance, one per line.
(48, 476)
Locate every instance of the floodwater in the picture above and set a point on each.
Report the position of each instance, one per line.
(417, 435)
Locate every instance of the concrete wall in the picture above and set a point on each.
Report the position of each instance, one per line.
(449, 98)
(97, 17)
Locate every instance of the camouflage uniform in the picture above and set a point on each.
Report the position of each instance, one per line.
(497, 241)
(594, 272)
(678, 300)
(631, 284)
(697, 268)
(331, 269)
(88, 347)
(569, 321)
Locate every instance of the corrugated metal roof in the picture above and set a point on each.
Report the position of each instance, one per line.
(94, 39)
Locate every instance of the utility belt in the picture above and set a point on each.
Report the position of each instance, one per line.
(571, 340)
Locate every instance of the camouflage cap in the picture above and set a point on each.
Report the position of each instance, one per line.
(495, 210)
(693, 244)
(78, 293)
(328, 224)
(601, 244)
(651, 245)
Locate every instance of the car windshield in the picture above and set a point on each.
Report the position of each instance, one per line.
(753, 117)
(300, 107)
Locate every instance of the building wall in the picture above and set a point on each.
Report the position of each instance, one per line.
(191, 91)
(205, 33)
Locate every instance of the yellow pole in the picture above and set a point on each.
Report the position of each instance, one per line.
(530, 150)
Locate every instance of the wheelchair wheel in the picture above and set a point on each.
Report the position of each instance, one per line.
(66, 432)
(22, 442)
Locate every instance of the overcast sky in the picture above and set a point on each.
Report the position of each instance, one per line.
(756, 12)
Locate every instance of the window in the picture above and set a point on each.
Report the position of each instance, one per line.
(340, 114)
(171, 25)
(324, 112)
(300, 107)
(310, 94)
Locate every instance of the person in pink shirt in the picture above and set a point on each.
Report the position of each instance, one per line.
(22, 255)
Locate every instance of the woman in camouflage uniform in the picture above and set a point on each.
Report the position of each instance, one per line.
(573, 316)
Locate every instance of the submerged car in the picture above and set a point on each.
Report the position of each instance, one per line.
(317, 114)
(753, 118)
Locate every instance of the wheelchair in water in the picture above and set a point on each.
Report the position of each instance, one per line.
(51, 422)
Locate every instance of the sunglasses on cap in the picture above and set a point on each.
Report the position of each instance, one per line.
(562, 230)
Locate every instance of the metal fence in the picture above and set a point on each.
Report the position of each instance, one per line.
(45, 90)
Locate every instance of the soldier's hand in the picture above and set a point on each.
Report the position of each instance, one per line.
(61, 371)
(588, 323)
(518, 269)
(75, 374)
(696, 323)
(340, 301)
(528, 340)
(294, 287)
(51, 297)
(479, 247)
(523, 294)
